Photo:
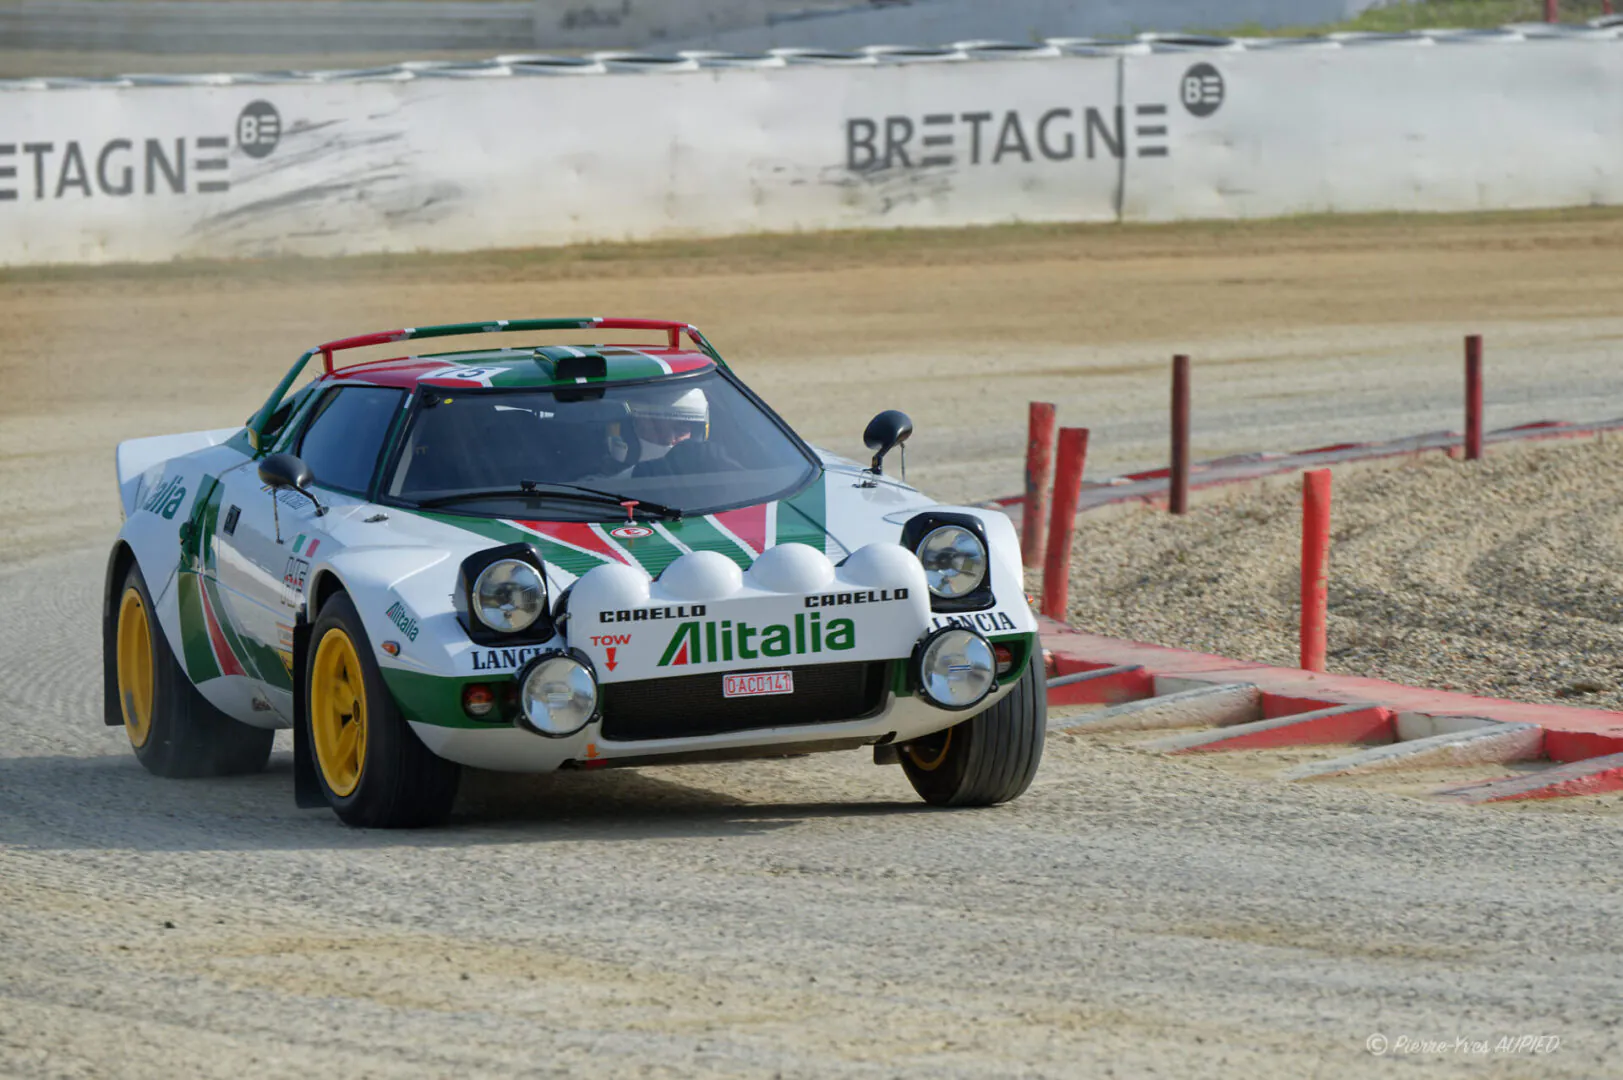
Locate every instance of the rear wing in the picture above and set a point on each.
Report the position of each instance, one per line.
(674, 332)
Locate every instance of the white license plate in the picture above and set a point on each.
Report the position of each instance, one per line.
(758, 684)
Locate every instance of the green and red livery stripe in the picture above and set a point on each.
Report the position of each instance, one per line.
(227, 650)
(201, 666)
(703, 534)
(574, 546)
(577, 547)
(752, 527)
(803, 517)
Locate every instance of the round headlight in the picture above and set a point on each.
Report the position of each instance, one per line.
(954, 561)
(509, 595)
(558, 696)
(956, 668)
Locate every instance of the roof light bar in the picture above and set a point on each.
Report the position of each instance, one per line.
(673, 332)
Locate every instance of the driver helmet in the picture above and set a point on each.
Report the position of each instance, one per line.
(666, 417)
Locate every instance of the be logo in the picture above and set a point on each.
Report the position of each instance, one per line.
(259, 129)
(1202, 90)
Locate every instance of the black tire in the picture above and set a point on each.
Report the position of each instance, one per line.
(400, 784)
(185, 736)
(989, 758)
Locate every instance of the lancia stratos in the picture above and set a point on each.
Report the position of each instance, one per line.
(553, 557)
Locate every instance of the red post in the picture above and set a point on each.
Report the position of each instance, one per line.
(1039, 479)
(1073, 458)
(1473, 397)
(1178, 494)
(1552, 11)
(1315, 565)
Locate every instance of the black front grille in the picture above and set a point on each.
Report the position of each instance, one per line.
(691, 705)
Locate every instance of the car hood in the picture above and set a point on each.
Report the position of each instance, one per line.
(837, 513)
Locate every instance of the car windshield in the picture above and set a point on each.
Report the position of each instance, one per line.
(691, 446)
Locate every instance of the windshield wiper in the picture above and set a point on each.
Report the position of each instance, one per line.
(533, 489)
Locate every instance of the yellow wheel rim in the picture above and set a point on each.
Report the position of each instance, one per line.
(338, 712)
(927, 760)
(135, 667)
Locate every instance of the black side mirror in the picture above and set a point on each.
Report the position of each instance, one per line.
(285, 471)
(885, 433)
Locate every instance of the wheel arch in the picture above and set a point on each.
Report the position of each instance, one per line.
(119, 562)
(325, 585)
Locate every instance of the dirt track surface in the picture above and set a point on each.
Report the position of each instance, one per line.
(1130, 915)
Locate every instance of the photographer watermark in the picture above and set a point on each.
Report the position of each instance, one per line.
(1383, 1045)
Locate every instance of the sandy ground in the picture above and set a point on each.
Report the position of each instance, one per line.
(1130, 916)
(1502, 577)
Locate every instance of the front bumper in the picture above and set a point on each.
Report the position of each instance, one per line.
(899, 717)
(661, 649)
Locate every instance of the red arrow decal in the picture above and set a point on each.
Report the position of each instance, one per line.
(610, 662)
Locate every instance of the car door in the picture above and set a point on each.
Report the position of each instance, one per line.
(267, 541)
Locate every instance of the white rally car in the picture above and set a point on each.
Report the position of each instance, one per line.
(553, 557)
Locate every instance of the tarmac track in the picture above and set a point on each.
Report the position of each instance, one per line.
(1129, 916)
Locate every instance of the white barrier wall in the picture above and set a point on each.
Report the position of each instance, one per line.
(489, 158)
(148, 173)
(1404, 128)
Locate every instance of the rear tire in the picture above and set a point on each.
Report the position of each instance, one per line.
(989, 758)
(173, 729)
(370, 765)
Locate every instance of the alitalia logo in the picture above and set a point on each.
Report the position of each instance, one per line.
(713, 642)
(404, 621)
(166, 498)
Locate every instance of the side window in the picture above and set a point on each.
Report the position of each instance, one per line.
(344, 439)
(281, 429)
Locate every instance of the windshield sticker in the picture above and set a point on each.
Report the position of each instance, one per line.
(480, 375)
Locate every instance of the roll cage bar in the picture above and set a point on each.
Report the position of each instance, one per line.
(673, 331)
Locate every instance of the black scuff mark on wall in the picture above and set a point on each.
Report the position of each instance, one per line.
(362, 177)
(881, 191)
(297, 197)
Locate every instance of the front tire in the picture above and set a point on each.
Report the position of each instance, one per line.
(372, 768)
(989, 758)
(173, 729)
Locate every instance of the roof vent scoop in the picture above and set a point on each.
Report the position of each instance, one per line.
(579, 366)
